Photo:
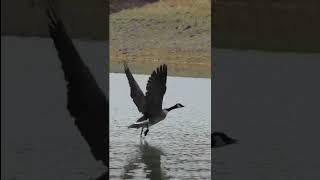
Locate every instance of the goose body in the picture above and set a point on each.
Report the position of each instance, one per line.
(150, 105)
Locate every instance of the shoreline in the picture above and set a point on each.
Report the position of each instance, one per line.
(178, 68)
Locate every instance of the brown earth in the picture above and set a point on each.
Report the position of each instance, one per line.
(177, 33)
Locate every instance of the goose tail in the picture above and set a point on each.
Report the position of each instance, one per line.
(134, 126)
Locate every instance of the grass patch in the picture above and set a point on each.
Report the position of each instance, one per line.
(177, 33)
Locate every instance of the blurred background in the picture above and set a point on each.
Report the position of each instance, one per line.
(281, 25)
(266, 60)
(81, 18)
(39, 139)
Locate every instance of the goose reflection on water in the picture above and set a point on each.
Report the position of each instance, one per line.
(150, 158)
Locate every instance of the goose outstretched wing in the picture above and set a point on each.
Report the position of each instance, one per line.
(86, 102)
(135, 91)
(156, 88)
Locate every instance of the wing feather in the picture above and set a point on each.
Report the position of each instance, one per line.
(156, 88)
(135, 91)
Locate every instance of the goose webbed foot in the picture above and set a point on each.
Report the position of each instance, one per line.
(141, 132)
(146, 132)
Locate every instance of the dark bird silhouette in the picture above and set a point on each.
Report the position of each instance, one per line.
(219, 139)
(85, 100)
(150, 105)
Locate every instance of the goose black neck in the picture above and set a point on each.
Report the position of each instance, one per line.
(173, 107)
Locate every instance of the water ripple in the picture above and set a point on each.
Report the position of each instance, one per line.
(178, 147)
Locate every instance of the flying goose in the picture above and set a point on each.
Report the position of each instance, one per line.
(85, 100)
(219, 139)
(150, 105)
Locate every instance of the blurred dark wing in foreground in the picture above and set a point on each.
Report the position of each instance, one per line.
(86, 101)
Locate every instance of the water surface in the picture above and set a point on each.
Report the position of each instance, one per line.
(178, 147)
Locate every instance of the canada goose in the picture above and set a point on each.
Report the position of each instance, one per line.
(219, 139)
(85, 100)
(150, 105)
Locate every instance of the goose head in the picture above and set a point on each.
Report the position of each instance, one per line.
(219, 139)
(178, 105)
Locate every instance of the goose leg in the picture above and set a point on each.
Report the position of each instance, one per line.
(141, 131)
(146, 132)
